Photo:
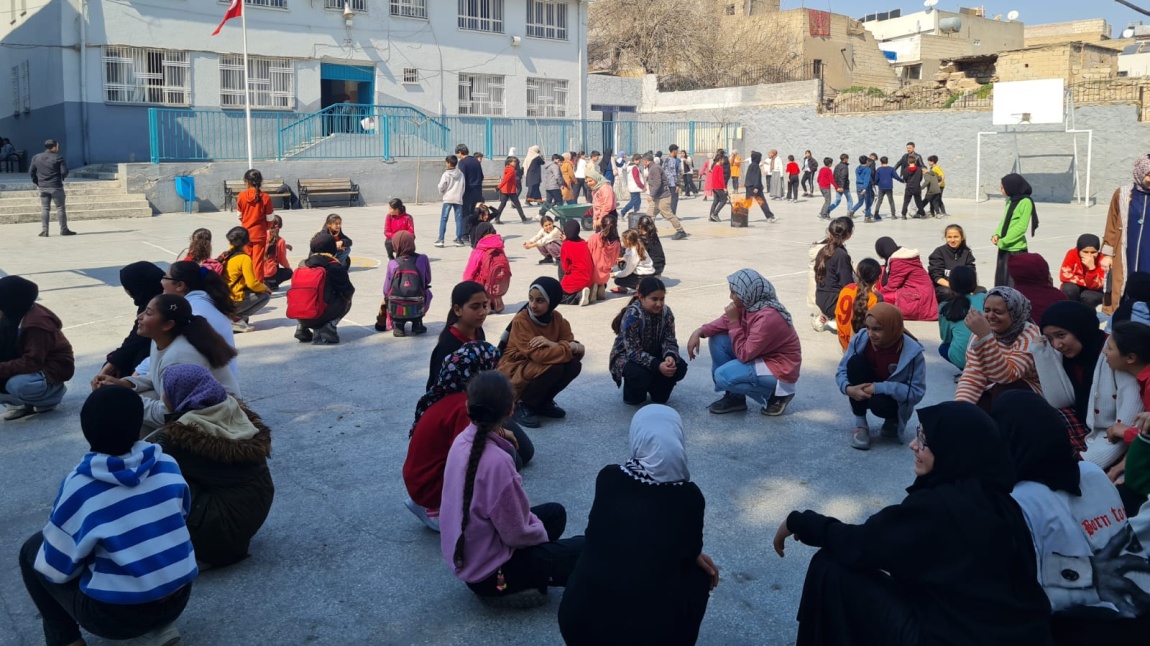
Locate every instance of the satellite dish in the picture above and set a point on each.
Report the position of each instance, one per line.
(1013, 15)
(1128, 32)
(929, 4)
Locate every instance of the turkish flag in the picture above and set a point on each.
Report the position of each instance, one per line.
(235, 10)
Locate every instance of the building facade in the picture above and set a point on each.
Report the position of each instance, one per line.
(920, 41)
(87, 71)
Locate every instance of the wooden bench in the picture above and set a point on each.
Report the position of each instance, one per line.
(313, 189)
(275, 188)
(491, 189)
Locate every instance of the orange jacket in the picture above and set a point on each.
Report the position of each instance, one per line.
(254, 213)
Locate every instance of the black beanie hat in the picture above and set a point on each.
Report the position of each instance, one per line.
(17, 295)
(111, 419)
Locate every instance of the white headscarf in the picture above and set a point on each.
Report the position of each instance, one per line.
(657, 452)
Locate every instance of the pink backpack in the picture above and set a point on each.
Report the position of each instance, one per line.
(495, 272)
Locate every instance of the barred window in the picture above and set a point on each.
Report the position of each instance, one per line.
(356, 5)
(410, 75)
(139, 75)
(481, 15)
(272, 82)
(409, 8)
(547, 19)
(546, 97)
(274, 4)
(481, 94)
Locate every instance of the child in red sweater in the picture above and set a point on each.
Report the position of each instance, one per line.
(1082, 276)
(792, 179)
(577, 265)
(397, 220)
(827, 186)
(276, 267)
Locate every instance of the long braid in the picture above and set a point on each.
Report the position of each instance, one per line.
(477, 447)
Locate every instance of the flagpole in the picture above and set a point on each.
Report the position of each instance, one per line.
(247, 85)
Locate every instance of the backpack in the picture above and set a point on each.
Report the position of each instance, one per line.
(495, 273)
(405, 295)
(211, 264)
(305, 297)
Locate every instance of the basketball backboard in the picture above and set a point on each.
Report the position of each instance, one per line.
(1029, 102)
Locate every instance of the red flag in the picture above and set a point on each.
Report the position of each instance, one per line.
(235, 10)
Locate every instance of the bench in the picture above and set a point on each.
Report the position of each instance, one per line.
(491, 189)
(275, 188)
(313, 189)
(14, 163)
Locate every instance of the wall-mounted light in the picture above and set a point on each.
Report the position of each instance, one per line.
(515, 41)
(348, 15)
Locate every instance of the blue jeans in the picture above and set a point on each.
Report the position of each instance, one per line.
(447, 208)
(734, 376)
(839, 198)
(32, 390)
(865, 199)
(633, 205)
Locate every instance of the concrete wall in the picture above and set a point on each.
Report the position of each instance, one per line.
(1086, 31)
(728, 99)
(1135, 64)
(604, 89)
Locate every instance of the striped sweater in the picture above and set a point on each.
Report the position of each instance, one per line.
(989, 362)
(118, 524)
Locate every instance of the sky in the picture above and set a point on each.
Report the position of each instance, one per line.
(1030, 11)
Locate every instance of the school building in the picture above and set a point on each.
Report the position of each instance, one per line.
(86, 72)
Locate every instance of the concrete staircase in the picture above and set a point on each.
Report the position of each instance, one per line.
(93, 193)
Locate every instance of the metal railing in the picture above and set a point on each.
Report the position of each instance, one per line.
(354, 131)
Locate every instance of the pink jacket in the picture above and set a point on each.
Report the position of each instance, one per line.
(501, 518)
(475, 260)
(765, 335)
(402, 222)
(909, 287)
(604, 256)
(602, 201)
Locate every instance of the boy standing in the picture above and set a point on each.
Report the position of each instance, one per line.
(843, 184)
(451, 188)
(792, 179)
(931, 192)
(827, 185)
(937, 170)
(886, 177)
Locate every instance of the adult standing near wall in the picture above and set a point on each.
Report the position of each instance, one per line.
(660, 191)
(48, 171)
(472, 186)
(734, 167)
(910, 153)
(1124, 242)
(774, 175)
(534, 175)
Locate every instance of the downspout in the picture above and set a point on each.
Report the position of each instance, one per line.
(582, 64)
(84, 81)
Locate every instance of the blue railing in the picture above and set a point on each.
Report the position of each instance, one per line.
(354, 131)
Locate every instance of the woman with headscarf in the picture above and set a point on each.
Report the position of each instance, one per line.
(1123, 241)
(36, 358)
(533, 175)
(222, 447)
(570, 185)
(1071, 328)
(576, 266)
(998, 357)
(540, 354)
(647, 521)
(883, 371)
(905, 283)
(1030, 275)
(953, 563)
(1082, 276)
(143, 281)
(441, 415)
(754, 348)
(405, 262)
(1021, 213)
(337, 293)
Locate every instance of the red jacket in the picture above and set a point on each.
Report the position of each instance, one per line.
(717, 181)
(395, 223)
(578, 267)
(1073, 272)
(508, 184)
(826, 178)
(908, 287)
(428, 448)
(792, 168)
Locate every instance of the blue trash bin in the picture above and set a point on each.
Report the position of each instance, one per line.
(186, 189)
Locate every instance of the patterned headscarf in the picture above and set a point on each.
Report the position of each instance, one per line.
(191, 387)
(1141, 170)
(1019, 308)
(458, 369)
(657, 453)
(756, 292)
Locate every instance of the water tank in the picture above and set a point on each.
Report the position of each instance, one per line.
(950, 24)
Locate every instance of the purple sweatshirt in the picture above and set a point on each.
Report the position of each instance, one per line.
(501, 518)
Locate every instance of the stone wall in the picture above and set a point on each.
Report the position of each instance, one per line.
(1073, 62)
(1087, 31)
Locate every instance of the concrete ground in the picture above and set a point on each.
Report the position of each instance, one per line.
(341, 561)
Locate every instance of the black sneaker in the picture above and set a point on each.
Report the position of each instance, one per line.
(552, 410)
(303, 334)
(458, 242)
(714, 218)
(67, 232)
(418, 328)
(547, 261)
(777, 405)
(524, 416)
(890, 429)
(679, 235)
(728, 403)
(44, 233)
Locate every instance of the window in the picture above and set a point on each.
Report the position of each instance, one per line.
(138, 75)
(912, 72)
(410, 75)
(274, 4)
(356, 5)
(409, 8)
(546, 98)
(272, 82)
(481, 94)
(547, 19)
(481, 15)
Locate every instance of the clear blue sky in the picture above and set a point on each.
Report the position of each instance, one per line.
(1030, 11)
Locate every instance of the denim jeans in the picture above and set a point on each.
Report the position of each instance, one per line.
(633, 205)
(448, 208)
(865, 199)
(839, 198)
(32, 389)
(734, 376)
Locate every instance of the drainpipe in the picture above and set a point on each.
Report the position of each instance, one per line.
(86, 148)
(582, 64)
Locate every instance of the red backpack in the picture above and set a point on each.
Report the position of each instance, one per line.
(495, 272)
(305, 299)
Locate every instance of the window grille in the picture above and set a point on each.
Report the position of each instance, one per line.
(272, 82)
(481, 15)
(409, 8)
(546, 97)
(547, 19)
(481, 94)
(139, 75)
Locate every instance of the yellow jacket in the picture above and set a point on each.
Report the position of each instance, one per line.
(241, 276)
(937, 170)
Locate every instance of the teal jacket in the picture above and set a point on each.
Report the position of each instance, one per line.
(956, 333)
(1015, 238)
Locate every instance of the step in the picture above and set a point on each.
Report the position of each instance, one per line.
(71, 191)
(86, 185)
(84, 174)
(81, 214)
(125, 202)
(33, 199)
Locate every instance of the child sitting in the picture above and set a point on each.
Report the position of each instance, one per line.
(36, 358)
(651, 244)
(548, 240)
(883, 371)
(337, 293)
(333, 226)
(115, 556)
(856, 299)
(604, 248)
(249, 293)
(407, 288)
(1128, 350)
(1082, 276)
(488, 264)
(276, 269)
(577, 266)
(953, 332)
(469, 307)
(831, 271)
(645, 356)
(397, 220)
(954, 253)
(637, 264)
(905, 283)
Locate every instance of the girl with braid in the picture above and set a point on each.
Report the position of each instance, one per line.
(491, 538)
(256, 210)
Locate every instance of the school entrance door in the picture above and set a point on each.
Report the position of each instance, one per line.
(351, 84)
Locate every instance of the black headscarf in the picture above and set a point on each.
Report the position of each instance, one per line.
(1088, 240)
(571, 229)
(17, 295)
(142, 280)
(1082, 322)
(480, 230)
(966, 446)
(111, 419)
(552, 291)
(1137, 290)
(323, 243)
(885, 248)
(756, 157)
(1038, 441)
(963, 281)
(1018, 189)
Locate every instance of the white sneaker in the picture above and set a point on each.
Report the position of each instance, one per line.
(819, 323)
(421, 514)
(585, 297)
(162, 636)
(439, 243)
(16, 412)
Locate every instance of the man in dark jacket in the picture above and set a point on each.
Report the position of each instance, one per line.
(35, 357)
(472, 186)
(337, 293)
(659, 190)
(905, 161)
(48, 172)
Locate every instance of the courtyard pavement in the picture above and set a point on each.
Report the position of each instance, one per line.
(341, 561)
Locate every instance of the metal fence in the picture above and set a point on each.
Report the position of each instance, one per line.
(349, 131)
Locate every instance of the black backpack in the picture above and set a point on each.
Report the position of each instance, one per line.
(405, 294)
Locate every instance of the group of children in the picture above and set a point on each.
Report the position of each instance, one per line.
(924, 183)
